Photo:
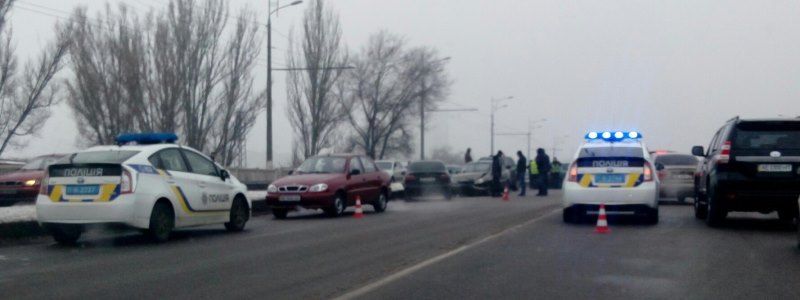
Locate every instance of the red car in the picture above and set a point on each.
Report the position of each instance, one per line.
(331, 183)
(23, 184)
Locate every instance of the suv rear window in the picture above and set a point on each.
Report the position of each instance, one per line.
(611, 152)
(98, 157)
(676, 160)
(767, 135)
(427, 167)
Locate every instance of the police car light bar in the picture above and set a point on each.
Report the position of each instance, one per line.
(613, 136)
(146, 138)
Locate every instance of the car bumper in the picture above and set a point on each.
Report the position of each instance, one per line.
(11, 196)
(644, 194)
(122, 210)
(307, 200)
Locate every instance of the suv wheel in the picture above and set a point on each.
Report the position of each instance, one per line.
(238, 216)
(380, 204)
(716, 212)
(162, 220)
(66, 234)
(338, 207)
(700, 209)
(787, 215)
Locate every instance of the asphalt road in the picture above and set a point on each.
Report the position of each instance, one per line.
(474, 248)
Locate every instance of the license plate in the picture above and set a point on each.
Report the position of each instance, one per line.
(83, 190)
(8, 192)
(609, 178)
(289, 198)
(775, 168)
(427, 180)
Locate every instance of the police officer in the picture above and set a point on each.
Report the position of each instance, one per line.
(534, 174)
(497, 173)
(522, 164)
(543, 164)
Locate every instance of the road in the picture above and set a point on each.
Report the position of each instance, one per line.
(474, 248)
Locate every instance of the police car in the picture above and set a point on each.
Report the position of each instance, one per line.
(612, 168)
(145, 182)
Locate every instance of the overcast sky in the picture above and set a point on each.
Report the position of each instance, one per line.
(675, 70)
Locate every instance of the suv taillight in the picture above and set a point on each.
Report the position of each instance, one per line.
(44, 185)
(573, 173)
(126, 183)
(724, 153)
(648, 172)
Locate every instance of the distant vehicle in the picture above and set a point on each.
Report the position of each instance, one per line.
(676, 174)
(397, 171)
(508, 165)
(428, 176)
(476, 178)
(23, 185)
(454, 169)
(615, 169)
(153, 185)
(331, 183)
(751, 165)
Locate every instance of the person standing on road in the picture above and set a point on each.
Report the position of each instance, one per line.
(522, 165)
(497, 173)
(543, 164)
(534, 174)
(468, 156)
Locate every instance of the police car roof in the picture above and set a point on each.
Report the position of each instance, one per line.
(132, 147)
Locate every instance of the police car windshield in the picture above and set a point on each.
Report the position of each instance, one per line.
(611, 151)
(676, 160)
(322, 165)
(100, 157)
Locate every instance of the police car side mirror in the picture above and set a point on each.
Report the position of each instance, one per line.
(698, 151)
(224, 175)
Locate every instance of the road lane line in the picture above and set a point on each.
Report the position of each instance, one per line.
(407, 271)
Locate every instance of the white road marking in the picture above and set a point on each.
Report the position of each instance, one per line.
(407, 271)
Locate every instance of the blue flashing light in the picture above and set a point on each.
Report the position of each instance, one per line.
(613, 136)
(146, 138)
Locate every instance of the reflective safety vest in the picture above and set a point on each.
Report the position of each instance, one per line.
(534, 169)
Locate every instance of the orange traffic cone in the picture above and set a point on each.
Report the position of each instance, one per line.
(359, 212)
(602, 222)
(505, 194)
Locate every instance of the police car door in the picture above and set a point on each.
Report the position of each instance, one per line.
(216, 193)
(181, 182)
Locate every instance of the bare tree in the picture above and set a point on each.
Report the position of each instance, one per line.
(383, 94)
(239, 104)
(313, 110)
(25, 98)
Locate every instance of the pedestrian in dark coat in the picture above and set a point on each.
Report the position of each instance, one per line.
(497, 173)
(468, 156)
(522, 166)
(543, 163)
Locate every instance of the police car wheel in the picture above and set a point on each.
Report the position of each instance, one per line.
(652, 217)
(162, 221)
(66, 234)
(238, 216)
(380, 204)
(570, 215)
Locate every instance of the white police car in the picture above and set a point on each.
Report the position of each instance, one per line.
(612, 168)
(146, 182)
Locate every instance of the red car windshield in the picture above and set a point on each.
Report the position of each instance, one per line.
(322, 165)
(39, 163)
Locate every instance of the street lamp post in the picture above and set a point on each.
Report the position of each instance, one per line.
(495, 107)
(269, 75)
(422, 113)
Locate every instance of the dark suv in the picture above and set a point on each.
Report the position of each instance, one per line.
(751, 165)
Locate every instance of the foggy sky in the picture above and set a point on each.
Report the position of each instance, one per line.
(675, 70)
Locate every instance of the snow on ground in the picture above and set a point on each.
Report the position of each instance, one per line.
(21, 213)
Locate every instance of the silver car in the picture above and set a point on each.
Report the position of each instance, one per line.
(676, 173)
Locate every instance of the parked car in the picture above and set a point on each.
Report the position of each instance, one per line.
(331, 183)
(397, 173)
(508, 165)
(454, 169)
(23, 185)
(427, 176)
(751, 165)
(676, 173)
(476, 178)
